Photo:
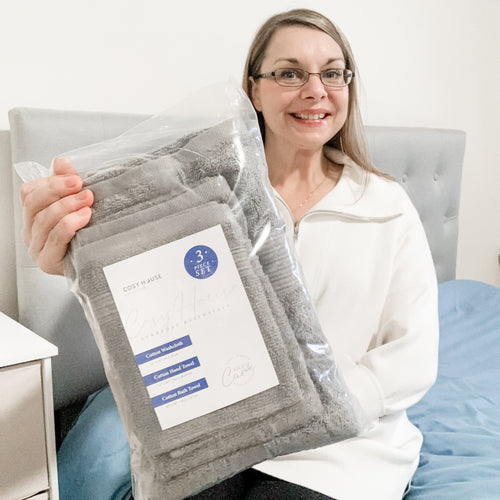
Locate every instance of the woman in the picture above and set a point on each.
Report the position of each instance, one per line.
(360, 243)
(362, 249)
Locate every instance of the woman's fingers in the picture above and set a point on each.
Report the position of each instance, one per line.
(39, 194)
(62, 166)
(47, 219)
(54, 208)
(50, 257)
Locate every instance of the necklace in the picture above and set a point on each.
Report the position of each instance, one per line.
(309, 195)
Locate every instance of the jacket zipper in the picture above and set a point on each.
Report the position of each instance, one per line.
(339, 214)
(346, 216)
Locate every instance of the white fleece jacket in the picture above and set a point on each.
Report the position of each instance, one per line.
(369, 272)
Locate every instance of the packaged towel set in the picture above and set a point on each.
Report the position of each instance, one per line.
(210, 343)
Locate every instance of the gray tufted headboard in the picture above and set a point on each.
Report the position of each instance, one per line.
(428, 162)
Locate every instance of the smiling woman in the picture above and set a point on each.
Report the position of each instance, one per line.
(351, 138)
(361, 247)
(300, 112)
(360, 244)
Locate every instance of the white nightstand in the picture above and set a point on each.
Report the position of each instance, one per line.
(28, 466)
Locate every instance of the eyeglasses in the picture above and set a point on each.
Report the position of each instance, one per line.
(296, 77)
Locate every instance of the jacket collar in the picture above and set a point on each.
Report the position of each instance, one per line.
(358, 192)
(358, 195)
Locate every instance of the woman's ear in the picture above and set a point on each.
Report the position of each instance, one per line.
(254, 93)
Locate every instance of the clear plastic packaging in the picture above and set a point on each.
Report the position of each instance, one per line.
(210, 377)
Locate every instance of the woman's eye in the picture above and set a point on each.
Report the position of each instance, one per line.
(333, 74)
(289, 74)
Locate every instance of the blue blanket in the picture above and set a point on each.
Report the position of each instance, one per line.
(93, 461)
(459, 416)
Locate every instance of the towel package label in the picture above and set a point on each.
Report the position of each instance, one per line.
(191, 327)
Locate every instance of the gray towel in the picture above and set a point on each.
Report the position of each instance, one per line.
(285, 354)
(180, 190)
(216, 152)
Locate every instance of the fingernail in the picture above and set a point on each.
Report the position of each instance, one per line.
(81, 195)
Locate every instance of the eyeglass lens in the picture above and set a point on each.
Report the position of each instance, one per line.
(296, 77)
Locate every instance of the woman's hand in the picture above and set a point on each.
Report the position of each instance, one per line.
(54, 208)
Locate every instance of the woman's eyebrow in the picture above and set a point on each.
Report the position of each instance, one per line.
(334, 59)
(290, 60)
(293, 60)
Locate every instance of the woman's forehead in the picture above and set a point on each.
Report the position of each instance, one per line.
(298, 44)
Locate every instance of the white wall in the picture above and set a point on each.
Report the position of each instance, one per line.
(431, 63)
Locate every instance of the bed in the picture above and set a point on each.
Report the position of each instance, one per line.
(459, 416)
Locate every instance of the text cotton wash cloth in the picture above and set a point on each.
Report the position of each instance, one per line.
(216, 362)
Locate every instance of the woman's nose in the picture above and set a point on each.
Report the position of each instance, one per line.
(313, 87)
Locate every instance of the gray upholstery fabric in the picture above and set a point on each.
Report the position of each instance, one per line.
(8, 300)
(39, 135)
(428, 162)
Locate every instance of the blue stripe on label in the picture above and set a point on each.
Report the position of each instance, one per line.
(172, 371)
(163, 350)
(180, 392)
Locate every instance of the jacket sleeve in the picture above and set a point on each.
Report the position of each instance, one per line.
(401, 362)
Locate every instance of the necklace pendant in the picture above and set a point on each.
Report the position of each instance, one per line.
(309, 196)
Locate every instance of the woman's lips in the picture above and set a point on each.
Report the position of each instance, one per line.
(310, 116)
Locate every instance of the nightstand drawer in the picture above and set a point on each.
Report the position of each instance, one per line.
(23, 452)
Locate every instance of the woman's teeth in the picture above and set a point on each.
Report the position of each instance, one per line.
(302, 116)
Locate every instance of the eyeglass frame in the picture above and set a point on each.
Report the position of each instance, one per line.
(347, 73)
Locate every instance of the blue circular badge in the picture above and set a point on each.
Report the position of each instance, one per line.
(201, 262)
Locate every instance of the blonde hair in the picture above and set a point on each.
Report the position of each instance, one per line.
(351, 139)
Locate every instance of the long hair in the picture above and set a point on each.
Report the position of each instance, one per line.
(351, 139)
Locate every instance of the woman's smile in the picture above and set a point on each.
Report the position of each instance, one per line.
(311, 117)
